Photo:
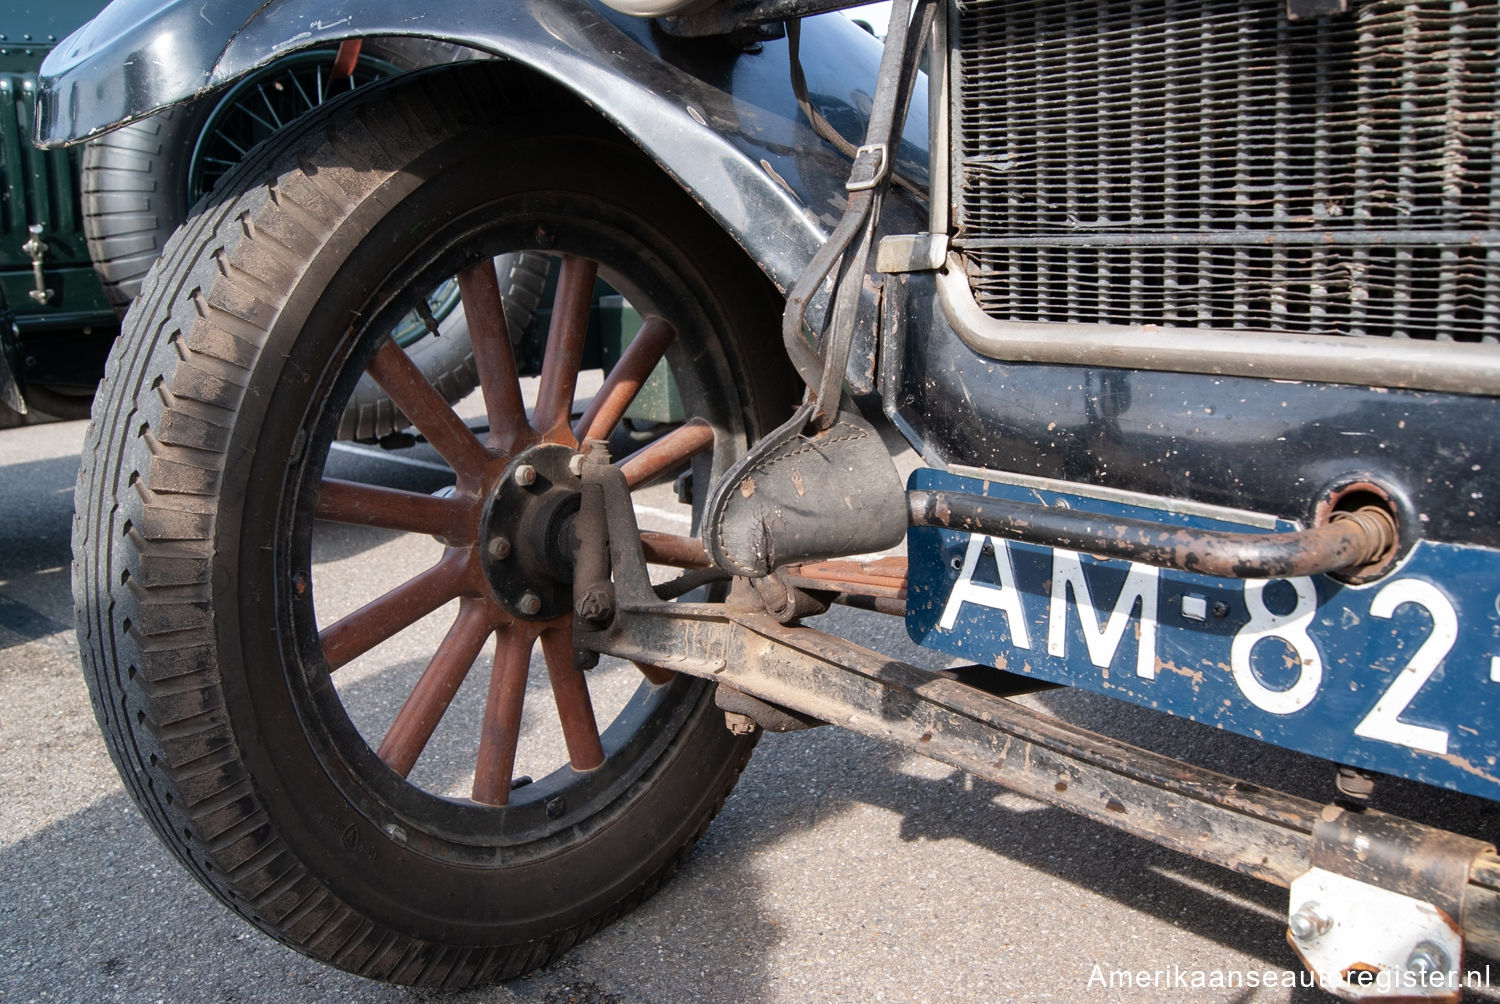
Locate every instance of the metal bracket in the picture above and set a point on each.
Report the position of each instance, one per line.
(37, 249)
(911, 253)
(1380, 914)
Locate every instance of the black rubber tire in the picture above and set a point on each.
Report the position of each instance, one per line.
(218, 404)
(136, 184)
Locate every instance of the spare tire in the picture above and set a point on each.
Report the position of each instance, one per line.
(140, 181)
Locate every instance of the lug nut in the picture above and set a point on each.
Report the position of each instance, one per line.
(575, 465)
(1309, 922)
(1428, 958)
(525, 475)
(529, 604)
(499, 548)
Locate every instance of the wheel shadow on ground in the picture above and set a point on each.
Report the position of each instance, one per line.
(92, 907)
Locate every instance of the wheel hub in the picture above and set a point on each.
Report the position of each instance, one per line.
(526, 538)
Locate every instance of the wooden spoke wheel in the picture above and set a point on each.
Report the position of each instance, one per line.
(222, 532)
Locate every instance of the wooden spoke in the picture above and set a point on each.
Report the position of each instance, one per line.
(655, 675)
(672, 549)
(345, 60)
(393, 509)
(625, 380)
(502, 715)
(669, 453)
(493, 357)
(565, 338)
(571, 691)
(399, 377)
(429, 699)
(352, 636)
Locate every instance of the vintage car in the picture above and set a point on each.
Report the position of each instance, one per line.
(1191, 312)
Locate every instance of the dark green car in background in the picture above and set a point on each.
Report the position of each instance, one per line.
(57, 322)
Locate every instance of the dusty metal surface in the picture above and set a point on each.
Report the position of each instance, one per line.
(1365, 942)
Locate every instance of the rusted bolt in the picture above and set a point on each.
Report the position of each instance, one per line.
(529, 604)
(740, 725)
(525, 475)
(1309, 922)
(499, 547)
(1354, 784)
(1428, 958)
(596, 607)
(556, 806)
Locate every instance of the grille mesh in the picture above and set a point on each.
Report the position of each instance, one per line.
(1212, 164)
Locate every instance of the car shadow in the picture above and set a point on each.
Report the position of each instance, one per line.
(93, 907)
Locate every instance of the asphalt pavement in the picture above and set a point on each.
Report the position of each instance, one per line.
(839, 870)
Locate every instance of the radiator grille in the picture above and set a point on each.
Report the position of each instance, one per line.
(1203, 163)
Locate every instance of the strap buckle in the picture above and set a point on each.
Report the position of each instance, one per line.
(870, 163)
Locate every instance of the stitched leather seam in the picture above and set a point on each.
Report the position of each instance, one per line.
(772, 460)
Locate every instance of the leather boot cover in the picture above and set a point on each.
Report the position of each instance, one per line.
(797, 497)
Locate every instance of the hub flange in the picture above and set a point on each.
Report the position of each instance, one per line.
(527, 540)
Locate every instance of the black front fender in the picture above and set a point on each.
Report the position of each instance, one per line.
(722, 120)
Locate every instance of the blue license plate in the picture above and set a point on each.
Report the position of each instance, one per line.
(1400, 676)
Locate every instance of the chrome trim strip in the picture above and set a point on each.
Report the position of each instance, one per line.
(1375, 362)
